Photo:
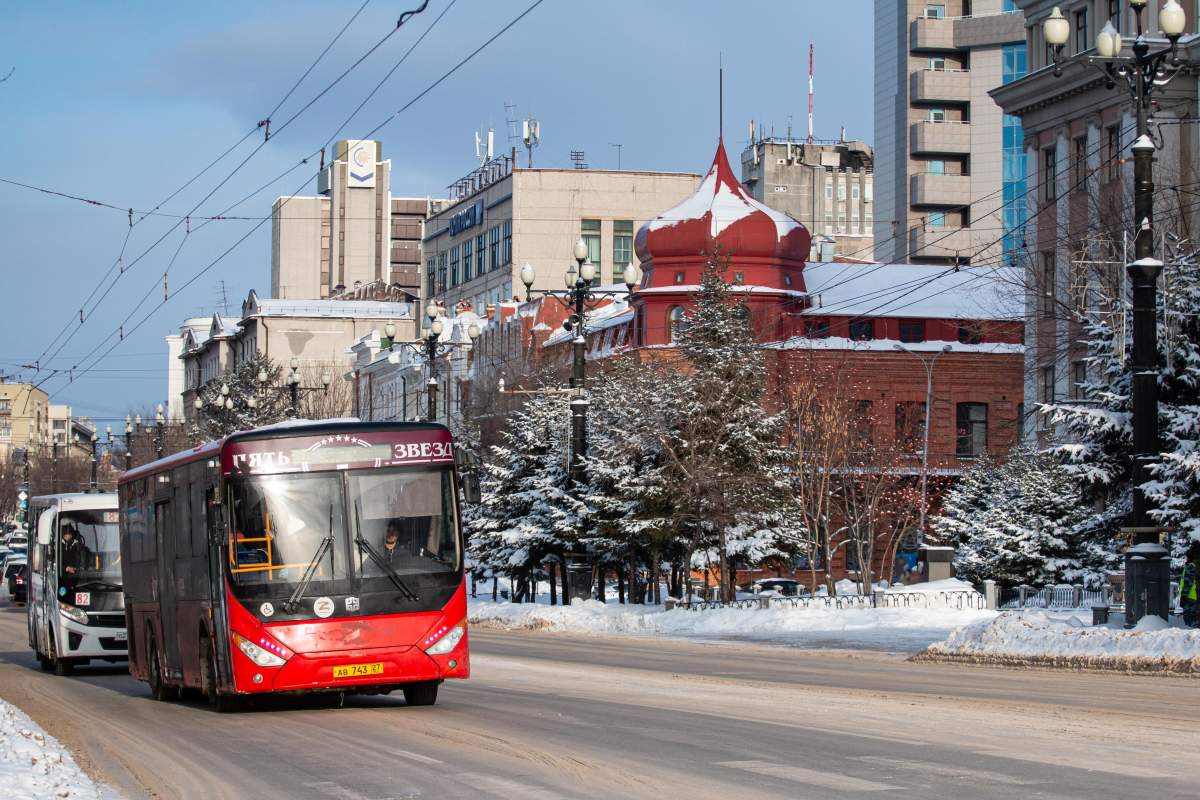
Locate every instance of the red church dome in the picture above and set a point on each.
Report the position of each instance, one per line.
(721, 209)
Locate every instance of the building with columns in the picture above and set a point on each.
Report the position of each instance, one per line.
(1076, 137)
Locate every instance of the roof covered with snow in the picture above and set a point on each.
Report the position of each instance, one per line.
(723, 210)
(255, 306)
(914, 290)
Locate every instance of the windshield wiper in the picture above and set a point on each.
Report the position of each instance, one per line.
(326, 545)
(387, 568)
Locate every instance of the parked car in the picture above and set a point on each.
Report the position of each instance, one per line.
(16, 575)
(785, 587)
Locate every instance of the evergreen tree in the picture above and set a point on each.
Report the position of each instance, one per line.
(1018, 522)
(1099, 451)
(237, 400)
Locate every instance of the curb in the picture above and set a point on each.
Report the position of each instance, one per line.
(1133, 665)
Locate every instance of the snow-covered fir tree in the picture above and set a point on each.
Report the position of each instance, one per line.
(1019, 522)
(239, 399)
(1098, 449)
(527, 511)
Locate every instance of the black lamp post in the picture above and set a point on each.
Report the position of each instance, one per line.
(159, 419)
(429, 347)
(94, 486)
(578, 279)
(128, 443)
(1147, 569)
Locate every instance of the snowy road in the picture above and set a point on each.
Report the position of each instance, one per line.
(554, 716)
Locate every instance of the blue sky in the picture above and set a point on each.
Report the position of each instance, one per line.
(124, 102)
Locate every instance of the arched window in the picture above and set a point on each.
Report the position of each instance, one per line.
(676, 322)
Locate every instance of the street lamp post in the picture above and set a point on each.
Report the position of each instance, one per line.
(94, 486)
(578, 279)
(928, 364)
(159, 419)
(1147, 570)
(128, 443)
(429, 347)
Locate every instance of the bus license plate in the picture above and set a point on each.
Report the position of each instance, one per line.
(358, 670)
(121, 637)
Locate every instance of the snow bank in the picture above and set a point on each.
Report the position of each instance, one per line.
(1038, 638)
(933, 587)
(34, 766)
(889, 629)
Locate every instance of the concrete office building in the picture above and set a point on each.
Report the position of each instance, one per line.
(949, 166)
(500, 218)
(353, 232)
(72, 434)
(828, 186)
(24, 417)
(1077, 135)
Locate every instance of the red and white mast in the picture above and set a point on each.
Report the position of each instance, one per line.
(810, 93)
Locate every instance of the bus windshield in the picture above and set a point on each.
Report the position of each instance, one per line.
(279, 526)
(391, 532)
(90, 546)
(407, 517)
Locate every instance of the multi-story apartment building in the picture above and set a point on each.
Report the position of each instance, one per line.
(948, 163)
(24, 417)
(1076, 138)
(353, 232)
(826, 185)
(501, 218)
(72, 434)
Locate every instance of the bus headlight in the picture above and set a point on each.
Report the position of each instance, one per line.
(72, 613)
(448, 641)
(260, 656)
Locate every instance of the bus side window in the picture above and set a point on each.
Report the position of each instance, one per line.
(199, 519)
(35, 557)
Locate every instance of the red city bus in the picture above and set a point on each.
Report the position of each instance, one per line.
(306, 557)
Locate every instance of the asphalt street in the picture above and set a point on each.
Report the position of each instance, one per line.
(552, 716)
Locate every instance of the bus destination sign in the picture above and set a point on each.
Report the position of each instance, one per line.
(360, 450)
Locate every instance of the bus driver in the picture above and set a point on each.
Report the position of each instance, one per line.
(74, 554)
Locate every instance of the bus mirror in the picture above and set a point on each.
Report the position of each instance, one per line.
(45, 527)
(469, 485)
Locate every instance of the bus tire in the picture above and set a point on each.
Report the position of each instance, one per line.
(423, 693)
(61, 667)
(221, 703)
(158, 688)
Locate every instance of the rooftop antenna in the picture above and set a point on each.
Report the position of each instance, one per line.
(531, 135)
(618, 146)
(810, 92)
(510, 113)
(482, 152)
(721, 96)
(578, 157)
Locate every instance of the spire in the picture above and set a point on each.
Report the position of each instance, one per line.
(720, 97)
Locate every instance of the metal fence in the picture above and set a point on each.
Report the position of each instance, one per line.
(1064, 597)
(958, 599)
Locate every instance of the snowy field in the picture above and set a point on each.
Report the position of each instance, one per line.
(1151, 645)
(903, 630)
(34, 766)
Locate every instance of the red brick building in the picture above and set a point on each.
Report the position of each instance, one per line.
(878, 326)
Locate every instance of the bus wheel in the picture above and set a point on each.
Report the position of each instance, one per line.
(222, 703)
(158, 689)
(421, 694)
(60, 666)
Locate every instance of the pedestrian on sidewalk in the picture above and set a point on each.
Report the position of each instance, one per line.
(1189, 597)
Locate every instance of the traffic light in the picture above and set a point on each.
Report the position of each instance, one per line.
(23, 503)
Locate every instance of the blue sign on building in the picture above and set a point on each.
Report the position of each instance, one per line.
(467, 218)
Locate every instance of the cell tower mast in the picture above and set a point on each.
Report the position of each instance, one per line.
(810, 93)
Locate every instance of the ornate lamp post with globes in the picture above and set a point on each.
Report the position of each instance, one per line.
(1147, 570)
(578, 293)
(429, 347)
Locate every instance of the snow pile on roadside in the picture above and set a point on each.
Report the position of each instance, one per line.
(1041, 639)
(933, 587)
(885, 628)
(33, 765)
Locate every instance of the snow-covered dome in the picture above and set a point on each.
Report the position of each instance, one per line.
(722, 210)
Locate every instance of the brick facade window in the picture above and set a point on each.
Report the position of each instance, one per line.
(971, 429)
(910, 424)
(861, 330)
(912, 330)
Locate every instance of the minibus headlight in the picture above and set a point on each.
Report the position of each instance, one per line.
(259, 655)
(448, 640)
(72, 613)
